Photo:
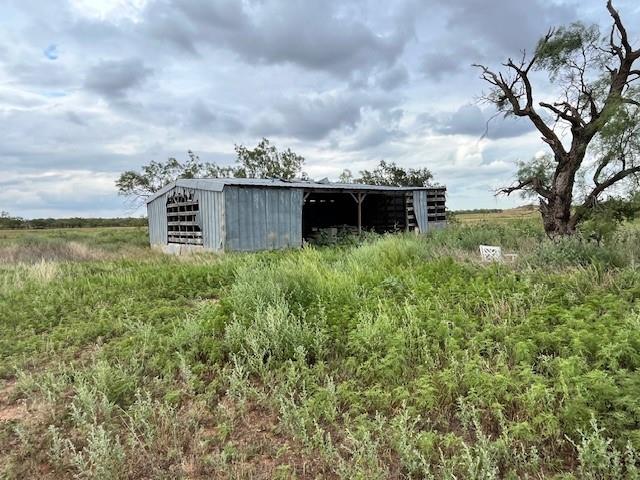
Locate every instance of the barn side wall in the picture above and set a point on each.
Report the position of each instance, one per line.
(157, 217)
(262, 218)
(210, 217)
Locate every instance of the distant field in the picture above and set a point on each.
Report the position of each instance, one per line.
(400, 357)
(499, 217)
(22, 232)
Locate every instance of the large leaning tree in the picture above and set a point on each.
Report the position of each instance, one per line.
(592, 126)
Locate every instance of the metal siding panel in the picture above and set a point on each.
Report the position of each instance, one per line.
(211, 205)
(245, 212)
(247, 232)
(210, 217)
(289, 203)
(205, 211)
(237, 218)
(296, 218)
(262, 218)
(283, 220)
(217, 226)
(201, 216)
(222, 224)
(271, 218)
(232, 220)
(157, 218)
(256, 208)
(420, 209)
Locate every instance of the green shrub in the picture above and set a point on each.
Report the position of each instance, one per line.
(574, 251)
(274, 335)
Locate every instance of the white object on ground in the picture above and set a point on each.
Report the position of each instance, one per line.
(490, 253)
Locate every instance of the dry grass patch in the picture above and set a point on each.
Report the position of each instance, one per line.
(50, 251)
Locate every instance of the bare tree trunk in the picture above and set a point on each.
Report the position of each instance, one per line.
(556, 209)
(556, 216)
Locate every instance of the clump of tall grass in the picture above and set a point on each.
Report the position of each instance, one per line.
(274, 335)
(18, 276)
(47, 251)
(576, 251)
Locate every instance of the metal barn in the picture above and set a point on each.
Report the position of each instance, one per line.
(260, 214)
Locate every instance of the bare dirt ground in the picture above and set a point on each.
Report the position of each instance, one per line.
(10, 410)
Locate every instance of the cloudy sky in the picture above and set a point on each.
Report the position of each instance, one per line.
(89, 88)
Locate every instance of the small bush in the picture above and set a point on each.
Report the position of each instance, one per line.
(574, 251)
(274, 335)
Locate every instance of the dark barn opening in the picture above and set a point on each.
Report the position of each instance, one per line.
(328, 214)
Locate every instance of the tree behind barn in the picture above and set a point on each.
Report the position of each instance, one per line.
(388, 173)
(263, 161)
(592, 126)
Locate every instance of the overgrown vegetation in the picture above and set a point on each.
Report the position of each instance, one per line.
(401, 357)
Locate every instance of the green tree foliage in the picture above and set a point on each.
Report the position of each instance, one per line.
(263, 161)
(602, 220)
(346, 176)
(388, 173)
(535, 174)
(156, 175)
(8, 221)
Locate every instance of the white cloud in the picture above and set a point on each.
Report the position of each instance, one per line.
(109, 9)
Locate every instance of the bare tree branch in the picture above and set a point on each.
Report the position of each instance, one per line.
(575, 118)
(533, 182)
(601, 187)
(621, 30)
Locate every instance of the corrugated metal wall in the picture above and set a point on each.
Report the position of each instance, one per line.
(262, 218)
(420, 209)
(157, 215)
(210, 218)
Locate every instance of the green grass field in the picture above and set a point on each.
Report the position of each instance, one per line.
(505, 216)
(401, 357)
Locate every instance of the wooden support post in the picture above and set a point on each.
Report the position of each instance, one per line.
(359, 214)
(359, 198)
